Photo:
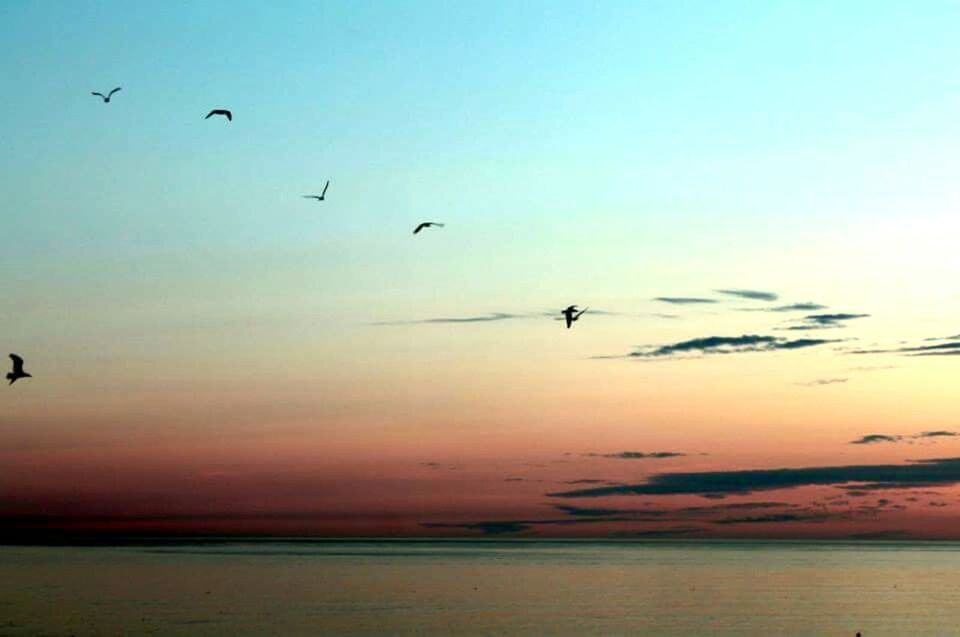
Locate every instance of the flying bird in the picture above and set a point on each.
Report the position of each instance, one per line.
(321, 196)
(571, 314)
(106, 98)
(17, 372)
(427, 224)
(220, 111)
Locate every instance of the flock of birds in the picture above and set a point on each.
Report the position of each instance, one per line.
(570, 314)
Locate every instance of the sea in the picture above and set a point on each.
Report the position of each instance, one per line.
(482, 587)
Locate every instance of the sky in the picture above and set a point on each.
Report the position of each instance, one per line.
(757, 201)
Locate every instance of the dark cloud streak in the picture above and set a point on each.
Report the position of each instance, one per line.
(938, 472)
(753, 295)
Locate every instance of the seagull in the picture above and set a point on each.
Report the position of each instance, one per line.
(106, 98)
(321, 196)
(571, 314)
(17, 372)
(427, 224)
(220, 111)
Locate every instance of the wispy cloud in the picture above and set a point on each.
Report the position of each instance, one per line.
(779, 517)
(875, 438)
(754, 295)
(825, 321)
(439, 465)
(637, 455)
(709, 345)
(592, 512)
(672, 531)
(870, 439)
(684, 300)
(498, 527)
(951, 348)
(793, 307)
(823, 381)
(937, 472)
(484, 318)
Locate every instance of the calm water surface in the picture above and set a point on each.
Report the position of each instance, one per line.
(483, 588)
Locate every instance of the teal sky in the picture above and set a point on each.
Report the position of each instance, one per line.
(164, 276)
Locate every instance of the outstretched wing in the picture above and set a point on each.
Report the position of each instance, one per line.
(99, 95)
(325, 186)
(210, 114)
(114, 91)
(580, 313)
(310, 197)
(420, 227)
(17, 363)
(229, 115)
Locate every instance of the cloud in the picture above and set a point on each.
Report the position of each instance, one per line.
(595, 512)
(487, 528)
(681, 513)
(873, 438)
(951, 348)
(864, 489)
(754, 295)
(727, 345)
(673, 531)
(869, 439)
(484, 318)
(439, 465)
(497, 527)
(637, 455)
(586, 481)
(833, 318)
(496, 316)
(778, 517)
(793, 307)
(823, 381)
(684, 300)
(937, 472)
(825, 321)
(891, 534)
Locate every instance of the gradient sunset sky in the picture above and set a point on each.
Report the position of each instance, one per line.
(759, 201)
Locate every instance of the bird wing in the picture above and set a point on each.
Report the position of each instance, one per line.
(310, 197)
(229, 115)
(434, 223)
(325, 186)
(580, 313)
(17, 363)
(420, 227)
(115, 90)
(99, 95)
(210, 114)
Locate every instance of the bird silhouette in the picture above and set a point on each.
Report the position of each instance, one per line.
(106, 98)
(427, 224)
(321, 196)
(17, 372)
(220, 111)
(571, 314)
